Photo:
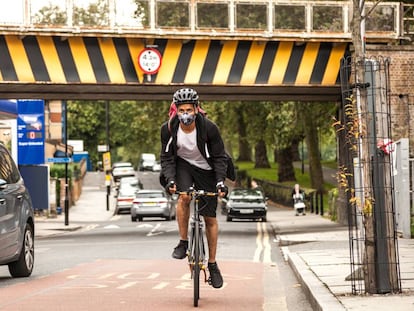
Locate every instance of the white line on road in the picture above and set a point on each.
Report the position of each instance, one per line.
(154, 230)
(161, 285)
(262, 244)
(127, 285)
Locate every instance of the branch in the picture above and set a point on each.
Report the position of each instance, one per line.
(372, 9)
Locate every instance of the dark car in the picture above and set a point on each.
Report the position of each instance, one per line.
(245, 204)
(152, 203)
(16, 219)
(128, 186)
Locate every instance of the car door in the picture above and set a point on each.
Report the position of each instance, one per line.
(11, 204)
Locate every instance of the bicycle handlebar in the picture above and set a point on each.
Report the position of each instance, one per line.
(198, 193)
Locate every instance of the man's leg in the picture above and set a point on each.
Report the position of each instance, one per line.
(212, 236)
(216, 280)
(183, 215)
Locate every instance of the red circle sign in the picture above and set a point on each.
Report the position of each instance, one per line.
(149, 60)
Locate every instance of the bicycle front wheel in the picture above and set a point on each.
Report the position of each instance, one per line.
(196, 276)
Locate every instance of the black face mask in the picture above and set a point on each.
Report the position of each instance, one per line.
(186, 118)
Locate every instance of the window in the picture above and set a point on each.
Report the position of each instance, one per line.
(290, 17)
(8, 170)
(327, 18)
(251, 16)
(173, 14)
(212, 15)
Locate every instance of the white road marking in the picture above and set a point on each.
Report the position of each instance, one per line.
(161, 285)
(154, 230)
(111, 227)
(105, 276)
(144, 226)
(153, 276)
(127, 285)
(262, 244)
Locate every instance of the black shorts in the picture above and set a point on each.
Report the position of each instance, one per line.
(191, 176)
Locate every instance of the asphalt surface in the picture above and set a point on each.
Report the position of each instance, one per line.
(316, 248)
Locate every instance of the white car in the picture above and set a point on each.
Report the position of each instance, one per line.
(123, 169)
(147, 162)
(152, 203)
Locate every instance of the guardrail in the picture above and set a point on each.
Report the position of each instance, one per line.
(221, 19)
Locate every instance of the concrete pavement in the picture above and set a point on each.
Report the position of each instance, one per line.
(316, 248)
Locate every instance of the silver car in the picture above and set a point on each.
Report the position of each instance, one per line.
(16, 219)
(152, 203)
(128, 186)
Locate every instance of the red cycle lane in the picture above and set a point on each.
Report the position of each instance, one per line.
(136, 285)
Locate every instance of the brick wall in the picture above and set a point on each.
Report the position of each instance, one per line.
(401, 88)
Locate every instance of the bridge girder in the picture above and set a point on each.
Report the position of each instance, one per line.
(145, 92)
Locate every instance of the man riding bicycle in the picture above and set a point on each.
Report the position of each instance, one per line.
(193, 154)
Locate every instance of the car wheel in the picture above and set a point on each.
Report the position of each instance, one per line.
(264, 219)
(228, 218)
(133, 218)
(139, 218)
(23, 267)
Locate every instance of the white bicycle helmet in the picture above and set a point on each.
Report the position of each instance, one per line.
(185, 96)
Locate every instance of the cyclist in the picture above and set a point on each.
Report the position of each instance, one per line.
(193, 154)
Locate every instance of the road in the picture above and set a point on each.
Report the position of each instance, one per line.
(119, 264)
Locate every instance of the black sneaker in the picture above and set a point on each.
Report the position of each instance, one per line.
(215, 279)
(180, 251)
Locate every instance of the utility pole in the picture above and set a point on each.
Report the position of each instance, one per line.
(380, 270)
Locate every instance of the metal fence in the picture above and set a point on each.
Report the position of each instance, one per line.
(366, 164)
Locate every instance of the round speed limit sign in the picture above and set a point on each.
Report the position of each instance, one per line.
(149, 60)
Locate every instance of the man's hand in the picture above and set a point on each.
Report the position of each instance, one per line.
(222, 189)
(171, 187)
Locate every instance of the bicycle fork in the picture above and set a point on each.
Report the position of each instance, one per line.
(193, 244)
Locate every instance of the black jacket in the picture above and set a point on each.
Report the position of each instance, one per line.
(209, 143)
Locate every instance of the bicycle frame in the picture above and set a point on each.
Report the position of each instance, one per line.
(196, 252)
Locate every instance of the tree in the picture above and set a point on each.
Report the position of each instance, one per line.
(378, 277)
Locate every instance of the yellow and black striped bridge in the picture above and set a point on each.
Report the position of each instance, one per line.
(241, 52)
(96, 67)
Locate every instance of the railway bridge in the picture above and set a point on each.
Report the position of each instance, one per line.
(228, 49)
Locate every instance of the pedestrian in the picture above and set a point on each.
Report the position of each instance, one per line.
(193, 155)
(298, 196)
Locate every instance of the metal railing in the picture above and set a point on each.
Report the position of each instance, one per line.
(222, 19)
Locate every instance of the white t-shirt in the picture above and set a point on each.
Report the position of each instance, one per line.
(187, 149)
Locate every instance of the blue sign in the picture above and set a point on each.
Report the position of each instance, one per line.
(59, 160)
(31, 132)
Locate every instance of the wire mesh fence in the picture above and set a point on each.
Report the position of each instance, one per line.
(366, 174)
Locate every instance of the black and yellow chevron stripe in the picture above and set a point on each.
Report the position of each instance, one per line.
(103, 60)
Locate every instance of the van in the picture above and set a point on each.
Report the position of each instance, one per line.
(147, 161)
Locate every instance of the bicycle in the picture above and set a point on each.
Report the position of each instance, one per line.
(196, 248)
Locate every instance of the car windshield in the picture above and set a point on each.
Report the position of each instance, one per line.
(243, 193)
(150, 195)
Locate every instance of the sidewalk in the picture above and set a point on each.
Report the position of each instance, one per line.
(316, 248)
(90, 207)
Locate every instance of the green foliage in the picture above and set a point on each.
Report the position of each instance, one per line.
(142, 12)
(212, 15)
(50, 15)
(173, 14)
(290, 17)
(252, 16)
(95, 14)
(57, 170)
